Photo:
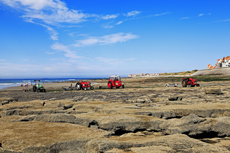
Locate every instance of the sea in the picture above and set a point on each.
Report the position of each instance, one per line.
(5, 83)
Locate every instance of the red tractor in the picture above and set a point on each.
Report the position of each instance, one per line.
(115, 81)
(189, 81)
(84, 86)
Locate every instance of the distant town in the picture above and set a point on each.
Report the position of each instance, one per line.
(224, 62)
(142, 74)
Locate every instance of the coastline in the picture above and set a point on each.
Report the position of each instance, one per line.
(47, 86)
(12, 83)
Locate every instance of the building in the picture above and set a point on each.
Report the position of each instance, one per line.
(224, 62)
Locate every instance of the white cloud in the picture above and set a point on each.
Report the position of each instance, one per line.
(120, 22)
(35, 4)
(184, 18)
(52, 32)
(209, 13)
(52, 12)
(132, 13)
(106, 17)
(57, 16)
(68, 53)
(107, 39)
(201, 14)
(48, 11)
(2, 60)
(165, 13)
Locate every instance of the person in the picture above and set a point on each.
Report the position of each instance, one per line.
(21, 84)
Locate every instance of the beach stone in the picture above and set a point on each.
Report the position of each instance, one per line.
(140, 100)
(68, 106)
(213, 91)
(222, 126)
(175, 143)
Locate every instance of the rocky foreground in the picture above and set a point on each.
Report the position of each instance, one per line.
(146, 120)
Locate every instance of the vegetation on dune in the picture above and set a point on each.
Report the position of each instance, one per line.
(208, 78)
(180, 73)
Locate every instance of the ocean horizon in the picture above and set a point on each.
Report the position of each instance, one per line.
(5, 83)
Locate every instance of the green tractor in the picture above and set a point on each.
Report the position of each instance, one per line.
(38, 87)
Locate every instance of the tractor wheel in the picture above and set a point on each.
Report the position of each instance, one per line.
(123, 86)
(91, 88)
(44, 90)
(184, 83)
(100, 87)
(110, 86)
(34, 89)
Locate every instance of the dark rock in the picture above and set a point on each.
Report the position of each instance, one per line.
(175, 98)
(68, 106)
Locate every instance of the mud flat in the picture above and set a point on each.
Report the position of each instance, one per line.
(144, 117)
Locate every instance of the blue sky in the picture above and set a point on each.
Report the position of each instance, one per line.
(88, 38)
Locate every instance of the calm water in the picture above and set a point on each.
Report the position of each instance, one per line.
(5, 83)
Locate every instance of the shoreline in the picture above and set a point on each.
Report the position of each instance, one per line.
(47, 86)
(6, 84)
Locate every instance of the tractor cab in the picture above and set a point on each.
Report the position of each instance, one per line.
(115, 78)
(115, 81)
